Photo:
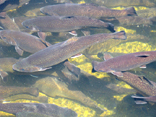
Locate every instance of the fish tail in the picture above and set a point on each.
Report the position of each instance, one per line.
(110, 27)
(94, 63)
(34, 91)
(131, 11)
(153, 19)
(120, 35)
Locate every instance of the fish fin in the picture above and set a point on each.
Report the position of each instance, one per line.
(111, 27)
(42, 35)
(77, 55)
(143, 66)
(71, 67)
(67, 17)
(33, 76)
(43, 69)
(119, 74)
(153, 19)
(86, 33)
(138, 97)
(142, 55)
(120, 35)
(18, 50)
(3, 74)
(144, 78)
(131, 11)
(95, 63)
(3, 14)
(107, 56)
(93, 70)
(140, 102)
(73, 33)
(71, 40)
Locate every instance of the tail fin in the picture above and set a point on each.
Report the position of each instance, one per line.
(111, 27)
(131, 11)
(120, 35)
(153, 19)
(34, 91)
(94, 63)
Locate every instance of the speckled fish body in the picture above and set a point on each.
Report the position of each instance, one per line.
(22, 40)
(116, 3)
(63, 23)
(48, 109)
(31, 114)
(132, 20)
(140, 83)
(125, 62)
(6, 91)
(8, 24)
(85, 10)
(2, 1)
(52, 55)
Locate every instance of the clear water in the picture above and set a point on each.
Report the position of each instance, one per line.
(117, 101)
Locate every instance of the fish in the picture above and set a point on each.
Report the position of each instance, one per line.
(116, 3)
(2, 1)
(132, 20)
(48, 109)
(140, 83)
(31, 114)
(149, 99)
(6, 66)
(6, 91)
(53, 87)
(7, 23)
(64, 23)
(124, 62)
(22, 41)
(43, 99)
(52, 55)
(89, 10)
(12, 4)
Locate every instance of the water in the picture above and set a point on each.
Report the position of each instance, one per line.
(115, 99)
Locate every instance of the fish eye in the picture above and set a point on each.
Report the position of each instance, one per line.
(22, 69)
(4, 37)
(27, 26)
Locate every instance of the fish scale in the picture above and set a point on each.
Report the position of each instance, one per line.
(55, 54)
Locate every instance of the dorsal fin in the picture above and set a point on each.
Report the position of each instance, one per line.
(71, 40)
(67, 17)
(143, 55)
(107, 56)
(144, 78)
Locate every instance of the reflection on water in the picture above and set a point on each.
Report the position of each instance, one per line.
(88, 94)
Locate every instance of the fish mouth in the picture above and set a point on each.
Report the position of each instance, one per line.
(14, 67)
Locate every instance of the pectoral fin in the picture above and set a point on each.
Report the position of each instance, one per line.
(18, 50)
(119, 74)
(140, 102)
(76, 55)
(43, 69)
(72, 68)
(73, 33)
(143, 66)
(3, 74)
(42, 35)
(107, 56)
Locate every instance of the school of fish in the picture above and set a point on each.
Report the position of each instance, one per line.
(39, 54)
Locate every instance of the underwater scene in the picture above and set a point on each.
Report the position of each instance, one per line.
(77, 58)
